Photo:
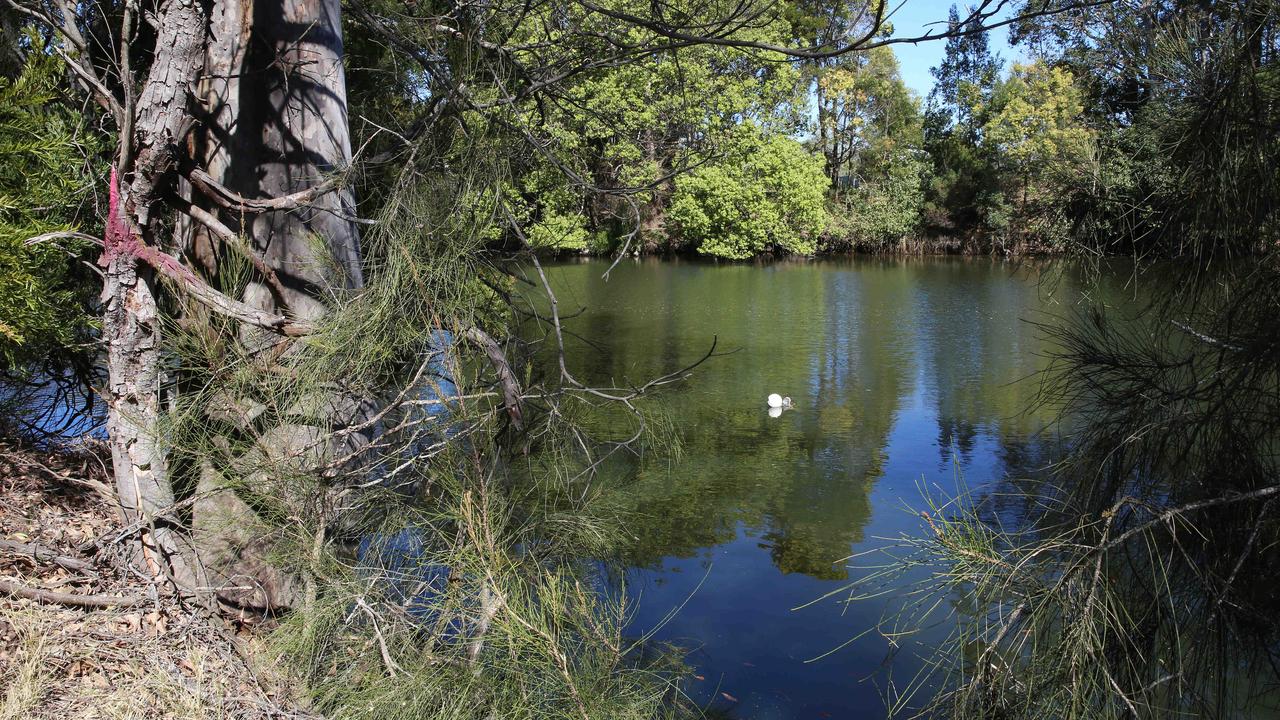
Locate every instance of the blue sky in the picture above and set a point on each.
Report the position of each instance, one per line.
(915, 17)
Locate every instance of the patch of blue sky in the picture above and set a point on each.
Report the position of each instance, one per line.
(912, 18)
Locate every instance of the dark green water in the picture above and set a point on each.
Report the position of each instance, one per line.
(906, 374)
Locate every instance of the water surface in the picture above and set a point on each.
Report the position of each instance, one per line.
(906, 375)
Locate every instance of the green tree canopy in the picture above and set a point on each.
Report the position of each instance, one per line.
(766, 194)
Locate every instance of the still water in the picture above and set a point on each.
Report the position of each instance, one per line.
(907, 376)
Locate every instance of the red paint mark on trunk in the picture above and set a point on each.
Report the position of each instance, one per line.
(118, 241)
(116, 237)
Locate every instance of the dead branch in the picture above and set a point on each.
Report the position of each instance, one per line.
(142, 522)
(231, 200)
(61, 234)
(979, 20)
(98, 487)
(237, 243)
(173, 270)
(49, 597)
(48, 556)
(506, 377)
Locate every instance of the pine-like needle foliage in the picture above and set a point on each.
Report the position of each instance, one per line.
(439, 556)
(47, 168)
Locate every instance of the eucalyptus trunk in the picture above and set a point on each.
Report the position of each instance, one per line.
(276, 92)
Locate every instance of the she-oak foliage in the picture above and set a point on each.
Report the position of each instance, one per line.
(45, 294)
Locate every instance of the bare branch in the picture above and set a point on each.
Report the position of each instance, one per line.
(49, 597)
(506, 378)
(980, 20)
(100, 91)
(231, 200)
(173, 270)
(59, 235)
(233, 240)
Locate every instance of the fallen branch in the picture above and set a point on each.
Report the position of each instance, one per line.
(99, 487)
(506, 377)
(49, 597)
(48, 556)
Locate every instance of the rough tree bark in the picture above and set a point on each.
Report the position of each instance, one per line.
(131, 325)
(251, 97)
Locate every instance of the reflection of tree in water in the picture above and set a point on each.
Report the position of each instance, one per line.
(848, 342)
(1137, 580)
(983, 352)
(955, 440)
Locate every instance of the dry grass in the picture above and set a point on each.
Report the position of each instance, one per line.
(159, 660)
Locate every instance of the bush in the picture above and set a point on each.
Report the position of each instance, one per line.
(877, 214)
(45, 294)
(765, 194)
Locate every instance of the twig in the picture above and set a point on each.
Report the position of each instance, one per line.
(138, 524)
(391, 665)
(60, 235)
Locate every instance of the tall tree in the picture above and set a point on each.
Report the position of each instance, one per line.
(960, 194)
(963, 82)
(272, 132)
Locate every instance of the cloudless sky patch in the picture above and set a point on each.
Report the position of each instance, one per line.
(916, 17)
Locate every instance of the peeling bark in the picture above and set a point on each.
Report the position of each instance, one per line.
(131, 325)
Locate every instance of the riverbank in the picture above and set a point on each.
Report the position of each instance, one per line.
(949, 246)
(81, 637)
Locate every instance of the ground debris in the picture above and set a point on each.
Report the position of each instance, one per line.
(158, 659)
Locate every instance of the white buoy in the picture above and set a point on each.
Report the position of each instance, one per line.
(775, 400)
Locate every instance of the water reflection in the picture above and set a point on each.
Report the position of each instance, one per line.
(901, 372)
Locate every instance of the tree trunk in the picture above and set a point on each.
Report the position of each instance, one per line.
(273, 122)
(276, 95)
(131, 321)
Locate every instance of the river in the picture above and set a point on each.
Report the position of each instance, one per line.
(908, 376)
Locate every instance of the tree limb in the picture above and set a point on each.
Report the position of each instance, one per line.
(976, 22)
(173, 270)
(49, 597)
(237, 243)
(231, 200)
(506, 377)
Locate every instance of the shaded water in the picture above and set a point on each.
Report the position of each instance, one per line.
(905, 374)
